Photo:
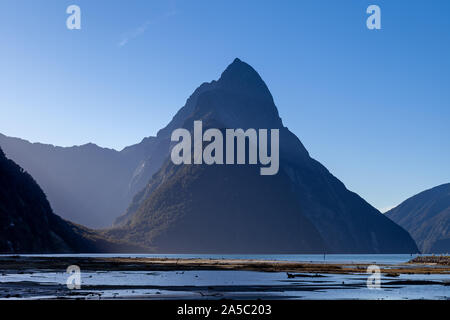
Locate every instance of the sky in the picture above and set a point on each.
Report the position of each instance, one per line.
(373, 106)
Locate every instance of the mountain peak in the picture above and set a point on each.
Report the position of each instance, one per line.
(240, 76)
(239, 68)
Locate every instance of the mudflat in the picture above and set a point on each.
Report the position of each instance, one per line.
(419, 265)
(39, 277)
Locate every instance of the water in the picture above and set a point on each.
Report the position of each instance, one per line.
(316, 258)
(230, 284)
(201, 284)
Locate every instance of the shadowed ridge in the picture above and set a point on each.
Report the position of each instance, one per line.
(426, 216)
(28, 224)
(238, 99)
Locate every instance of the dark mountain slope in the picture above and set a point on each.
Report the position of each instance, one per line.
(227, 209)
(426, 216)
(302, 209)
(28, 225)
(86, 184)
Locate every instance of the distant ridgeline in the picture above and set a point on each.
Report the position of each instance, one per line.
(28, 225)
(426, 216)
(85, 184)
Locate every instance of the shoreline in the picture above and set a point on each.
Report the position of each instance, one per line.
(418, 265)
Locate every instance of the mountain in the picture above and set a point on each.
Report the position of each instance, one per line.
(28, 224)
(232, 208)
(86, 184)
(426, 216)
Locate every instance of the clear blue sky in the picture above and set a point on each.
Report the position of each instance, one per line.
(372, 106)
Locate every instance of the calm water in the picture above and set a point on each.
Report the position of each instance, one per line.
(227, 284)
(329, 258)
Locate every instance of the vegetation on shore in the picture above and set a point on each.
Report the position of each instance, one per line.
(440, 260)
(20, 263)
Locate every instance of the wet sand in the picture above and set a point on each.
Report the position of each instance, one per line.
(299, 277)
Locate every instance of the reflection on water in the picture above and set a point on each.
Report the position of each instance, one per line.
(229, 284)
(226, 284)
